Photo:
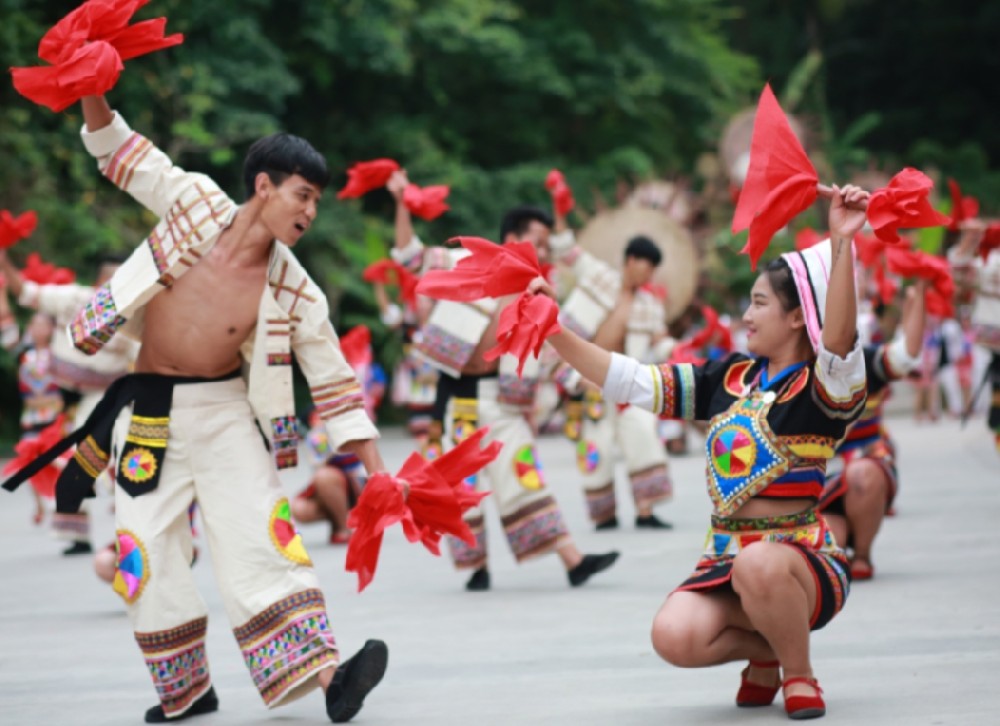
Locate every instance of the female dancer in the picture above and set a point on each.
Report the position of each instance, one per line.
(772, 571)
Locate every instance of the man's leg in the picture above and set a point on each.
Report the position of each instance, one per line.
(647, 464)
(596, 463)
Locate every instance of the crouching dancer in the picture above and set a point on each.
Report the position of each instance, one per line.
(219, 304)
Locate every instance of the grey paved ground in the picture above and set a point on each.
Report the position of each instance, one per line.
(920, 645)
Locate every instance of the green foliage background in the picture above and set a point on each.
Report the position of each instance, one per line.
(487, 96)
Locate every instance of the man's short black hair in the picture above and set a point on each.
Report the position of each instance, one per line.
(643, 248)
(517, 220)
(280, 156)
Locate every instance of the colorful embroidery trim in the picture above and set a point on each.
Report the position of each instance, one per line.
(138, 465)
(285, 537)
(132, 572)
(588, 457)
(527, 469)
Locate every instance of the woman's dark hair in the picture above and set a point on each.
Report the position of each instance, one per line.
(779, 274)
(280, 156)
(517, 220)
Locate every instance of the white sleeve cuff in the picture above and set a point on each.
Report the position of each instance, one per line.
(900, 361)
(562, 242)
(849, 368)
(107, 140)
(29, 294)
(406, 254)
(629, 382)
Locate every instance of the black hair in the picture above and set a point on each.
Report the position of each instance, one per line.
(517, 220)
(779, 274)
(280, 156)
(643, 248)
(111, 258)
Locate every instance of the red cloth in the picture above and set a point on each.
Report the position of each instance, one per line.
(45, 273)
(356, 345)
(656, 290)
(437, 499)
(685, 353)
(14, 229)
(491, 270)
(962, 208)
(27, 450)
(990, 241)
(523, 327)
(366, 176)
(562, 195)
(887, 287)
(869, 249)
(390, 272)
(426, 202)
(915, 263)
(780, 183)
(904, 203)
(939, 305)
(806, 238)
(87, 50)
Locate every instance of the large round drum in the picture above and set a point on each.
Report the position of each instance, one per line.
(608, 233)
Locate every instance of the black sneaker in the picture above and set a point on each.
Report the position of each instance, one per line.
(78, 548)
(590, 565)
(208, 703)
(607, 524)
(480, 581)
(651, 521)
(354, 679)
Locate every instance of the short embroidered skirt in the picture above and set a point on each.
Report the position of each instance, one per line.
(807, 532)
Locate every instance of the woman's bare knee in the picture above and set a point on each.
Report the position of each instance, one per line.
(681, 631)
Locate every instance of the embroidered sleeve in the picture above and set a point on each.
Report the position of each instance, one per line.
(135, 165)
(839, 383)
(335, 390)
(891, 362)
(412, 256)
(564, 247)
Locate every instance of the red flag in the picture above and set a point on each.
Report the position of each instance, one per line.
(27, 450)
(45, 273)
(523, 327)
(356, 345)
(562, 195)
(390, 272)
(806, 238)
(87, 49)
(781, 181)
(14, 229)
(903, 203)
(491, 270)
(426, 202)
(366, 176)
(432, 507)
(962, 208)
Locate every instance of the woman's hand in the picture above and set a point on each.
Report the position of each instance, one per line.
(397, 184)
(540, 286)
(847, 211)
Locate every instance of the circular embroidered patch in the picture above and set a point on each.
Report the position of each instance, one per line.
(526, 467)
(461, 430)
(132, 572)
(587, 457)
(138, 465)
(285, 537)
(734, 452)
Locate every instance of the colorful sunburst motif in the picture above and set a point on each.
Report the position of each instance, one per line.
(133, 566)
(461, 430)
(527, 469)
(286, 538)
(587, 457)
(138, 465)
(733, 452)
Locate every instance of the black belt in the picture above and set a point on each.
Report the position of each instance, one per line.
(465, 386)
(144, 449)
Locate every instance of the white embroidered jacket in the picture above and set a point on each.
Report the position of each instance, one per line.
(986, 313)
(591, 301)
(73, 369)
(293, 316)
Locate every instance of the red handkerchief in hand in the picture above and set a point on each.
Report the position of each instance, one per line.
(869, 249)
(904, 203)
(806, 238)
(27, 450)
(990, 241)
(962, 208)
(356, 345)
(939, 305)
(428, 498)
(780, 183)
(14, 229)
(366, 176)
(491, 270)
(887, 287)
(390, 272)
(91, 70)
(685, 353)
(562, 195)
(523, 327)
(87, 49)
(45, 273)
(914, 263)
(426, 202)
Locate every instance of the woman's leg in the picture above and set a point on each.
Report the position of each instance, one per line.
(864, 504)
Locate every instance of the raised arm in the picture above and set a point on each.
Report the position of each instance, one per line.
(404, 222)
(915, 317)
(840, 319)
(96, 112)
(15, 282)
(9, 333)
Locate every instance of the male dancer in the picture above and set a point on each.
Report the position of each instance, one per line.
(610, 308)
(474, 392)
(212, 291)
(83, 378)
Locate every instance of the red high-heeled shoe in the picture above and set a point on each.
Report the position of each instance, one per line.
(752, 695)
(803, 707)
